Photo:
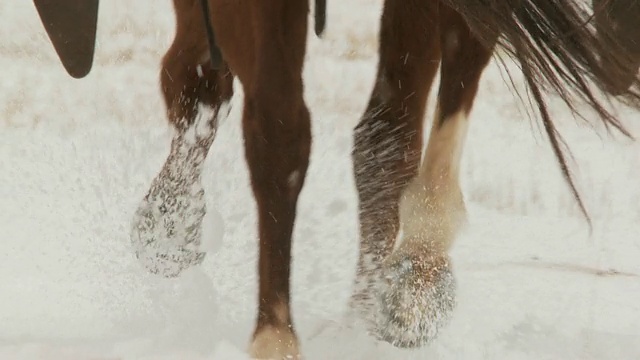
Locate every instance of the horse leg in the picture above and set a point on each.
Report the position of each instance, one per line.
(167, 226)
(407, 294)
(388, 138)
(277, 132)
(417, 295)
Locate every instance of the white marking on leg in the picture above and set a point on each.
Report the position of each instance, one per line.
(199, 71)
(294, 179)
(272, 343)
(204, 125)
(167, 227)
(276, 342)
(432, 207)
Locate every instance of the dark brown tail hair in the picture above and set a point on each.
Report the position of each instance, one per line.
(558, 48)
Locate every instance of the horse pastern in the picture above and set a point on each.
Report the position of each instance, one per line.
(272, 343)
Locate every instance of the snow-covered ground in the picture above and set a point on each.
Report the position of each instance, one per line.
(76, 156)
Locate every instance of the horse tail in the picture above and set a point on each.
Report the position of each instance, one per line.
(559, 50)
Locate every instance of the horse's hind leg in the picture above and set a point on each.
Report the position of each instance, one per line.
(167, 228)
(419, 298)
(388, 139)
(414, 289)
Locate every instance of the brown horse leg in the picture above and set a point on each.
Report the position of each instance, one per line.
(277, 132)
(167, 227)
(388, 139)
(418, 294)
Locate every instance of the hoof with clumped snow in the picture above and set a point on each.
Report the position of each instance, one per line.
(416, 298)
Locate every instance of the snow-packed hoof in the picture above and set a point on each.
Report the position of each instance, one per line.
(416, 298)
(166, 233)
(167, 227)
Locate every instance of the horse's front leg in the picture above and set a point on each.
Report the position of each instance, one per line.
(166, 231)
(277, 133)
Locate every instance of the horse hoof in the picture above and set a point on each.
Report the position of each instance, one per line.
(160, 253)
(166, 230)
(271, 343)
(416, 299)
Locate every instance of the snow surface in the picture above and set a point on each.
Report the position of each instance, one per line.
(76, 157)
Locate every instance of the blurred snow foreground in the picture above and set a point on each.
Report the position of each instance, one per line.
(76, 156)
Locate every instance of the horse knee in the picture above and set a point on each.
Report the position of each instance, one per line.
(187, 79)
(277, 139)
